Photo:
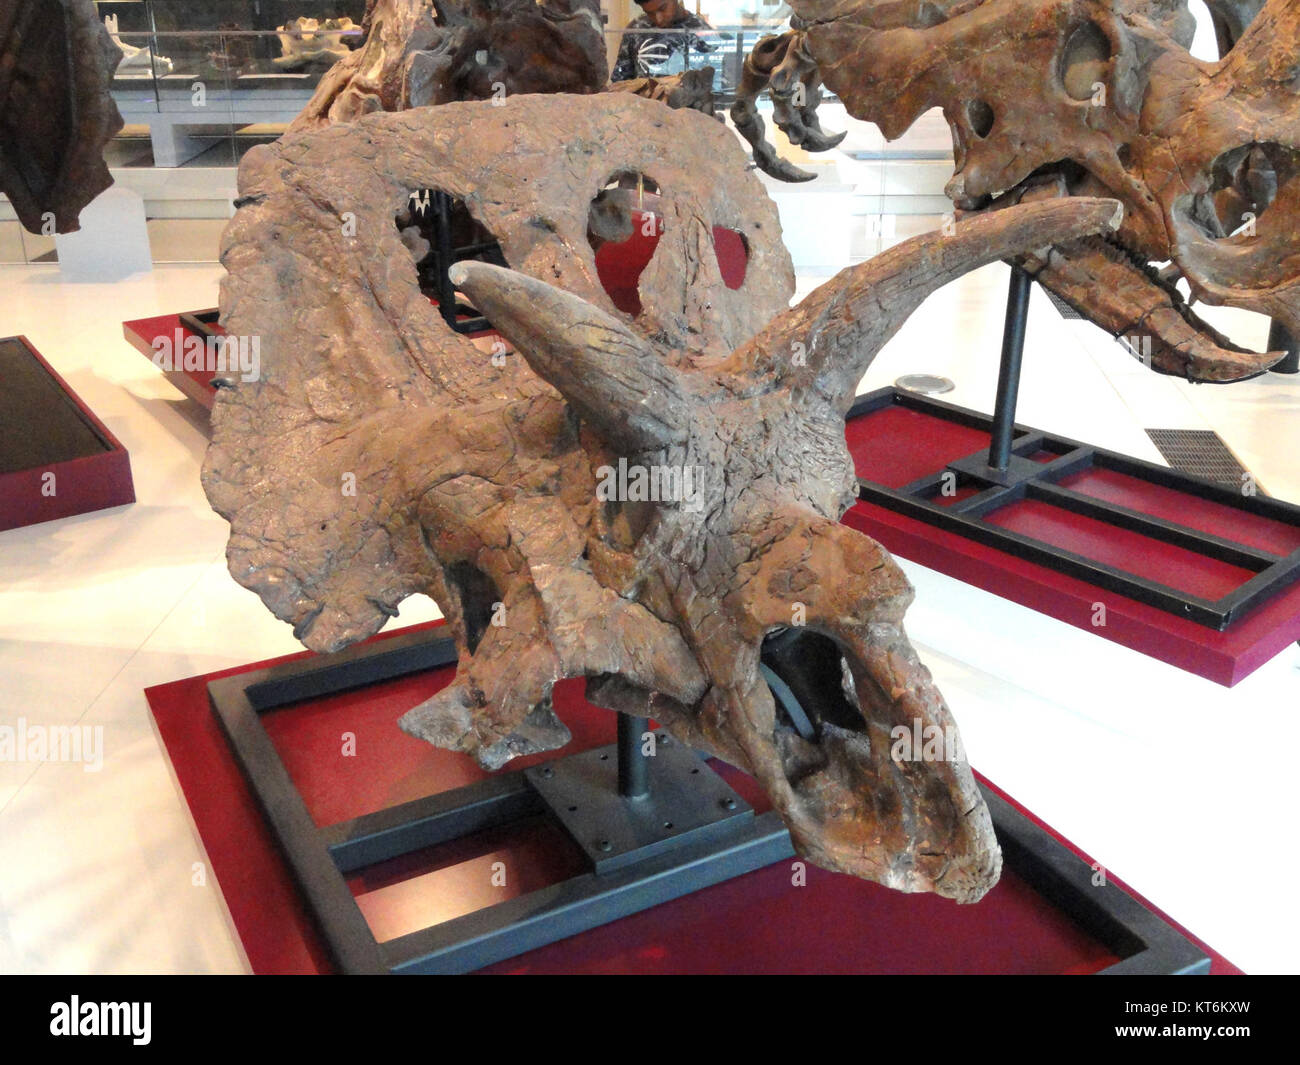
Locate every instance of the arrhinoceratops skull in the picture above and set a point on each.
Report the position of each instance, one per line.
(382, 455)
(1051, 98)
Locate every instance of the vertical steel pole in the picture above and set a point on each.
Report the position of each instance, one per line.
(440, 207)
(1280, 339)
(1013, 350)
(633, 770)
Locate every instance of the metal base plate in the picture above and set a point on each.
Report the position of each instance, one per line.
(1017, 472)
(688, 802)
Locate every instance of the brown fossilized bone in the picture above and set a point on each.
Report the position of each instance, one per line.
(1051, 98)
(691, 88)
(381, 455)
(420, 52)
(781, 65)
(56, 114)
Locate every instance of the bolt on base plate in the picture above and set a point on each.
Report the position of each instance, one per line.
(688, 802)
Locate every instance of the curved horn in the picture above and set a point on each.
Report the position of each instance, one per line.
(614, 378)
(838, 329)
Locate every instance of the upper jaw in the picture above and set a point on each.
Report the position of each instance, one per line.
(1114, 284)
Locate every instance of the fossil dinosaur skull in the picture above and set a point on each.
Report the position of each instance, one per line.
(1051, 98)
(382, 455)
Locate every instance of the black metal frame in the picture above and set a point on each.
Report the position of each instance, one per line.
(624, 878)
(200, 323)
(443, 256)
(1005, 474)
(637, 859)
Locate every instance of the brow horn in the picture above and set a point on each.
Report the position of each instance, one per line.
(614, 378)
(828, 340)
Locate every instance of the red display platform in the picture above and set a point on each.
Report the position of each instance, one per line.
(347, 757)
(141, 334)
(56, 458)
(896, 446)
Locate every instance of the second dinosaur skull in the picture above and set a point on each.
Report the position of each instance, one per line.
(1052, 98)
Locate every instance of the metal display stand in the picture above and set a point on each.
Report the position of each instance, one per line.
(436, 219)
(201, 323)
(652, 829)
(1280, 339)
(1005, 473)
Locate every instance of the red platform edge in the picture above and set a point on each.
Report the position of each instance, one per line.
(82, 485)
(1222, 657)
(265, 907)
(141, 333)
(910, 445)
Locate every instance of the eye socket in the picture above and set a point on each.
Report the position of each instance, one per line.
(981, 118)
(1085, 61)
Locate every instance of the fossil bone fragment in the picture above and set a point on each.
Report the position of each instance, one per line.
(418, 52)
(691, 89)
(781, 65)
(305, 41)
(380, 455)
(56, 114)
(1059, 98)
(135, 58)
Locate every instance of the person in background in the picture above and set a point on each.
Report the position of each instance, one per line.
(643, 55)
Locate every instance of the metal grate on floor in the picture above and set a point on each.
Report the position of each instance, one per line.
(1066, 310)
(1200, 453)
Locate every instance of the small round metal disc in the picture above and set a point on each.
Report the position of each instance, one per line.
(925, 383)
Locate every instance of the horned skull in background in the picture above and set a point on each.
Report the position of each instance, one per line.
(1055, 98)
(382, 455)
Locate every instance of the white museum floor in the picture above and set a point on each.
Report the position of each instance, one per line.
(1176, 785)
